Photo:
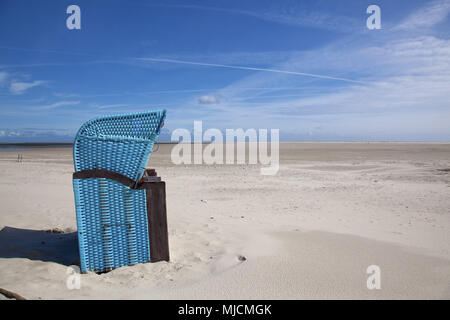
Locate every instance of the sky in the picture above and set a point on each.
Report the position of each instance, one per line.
(311, 69)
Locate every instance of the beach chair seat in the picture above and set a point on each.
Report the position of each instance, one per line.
(110, 157)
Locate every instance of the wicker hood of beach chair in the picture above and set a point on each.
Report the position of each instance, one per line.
(110, 155)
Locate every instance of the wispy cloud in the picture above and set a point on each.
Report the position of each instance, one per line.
(18, 87)
(409, 72)
(109, 106)
(36, 135)
(56, 105)
(292, 14)
(48, 51)
(404, 89)
(3, 77)
(426, 17)
(250, 69)
(31, 65)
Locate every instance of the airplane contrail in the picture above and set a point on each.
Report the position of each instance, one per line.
(249, 68)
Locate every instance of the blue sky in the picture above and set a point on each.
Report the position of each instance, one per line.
(310, 68)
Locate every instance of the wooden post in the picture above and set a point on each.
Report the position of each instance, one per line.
(157, 216)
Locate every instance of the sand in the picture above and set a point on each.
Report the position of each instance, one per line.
(308, 232)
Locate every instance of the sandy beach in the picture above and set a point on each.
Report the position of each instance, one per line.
(308, 232)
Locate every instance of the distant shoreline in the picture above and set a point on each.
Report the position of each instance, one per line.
(47, 144)
(70, 144)
(36, 144)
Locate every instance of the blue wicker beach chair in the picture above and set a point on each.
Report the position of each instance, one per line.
(110, 154)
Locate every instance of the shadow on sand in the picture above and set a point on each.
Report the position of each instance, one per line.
(40, 245)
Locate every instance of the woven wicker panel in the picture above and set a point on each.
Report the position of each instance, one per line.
(112, 224)
(120, 143)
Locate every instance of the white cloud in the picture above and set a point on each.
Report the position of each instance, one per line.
(37, 134)
(18, 87)
(3, 76)
(209, 99)
(14, 134)
(56, 105)
(410, 72)
(109, 106)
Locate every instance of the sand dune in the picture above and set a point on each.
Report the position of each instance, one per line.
(310, 231)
